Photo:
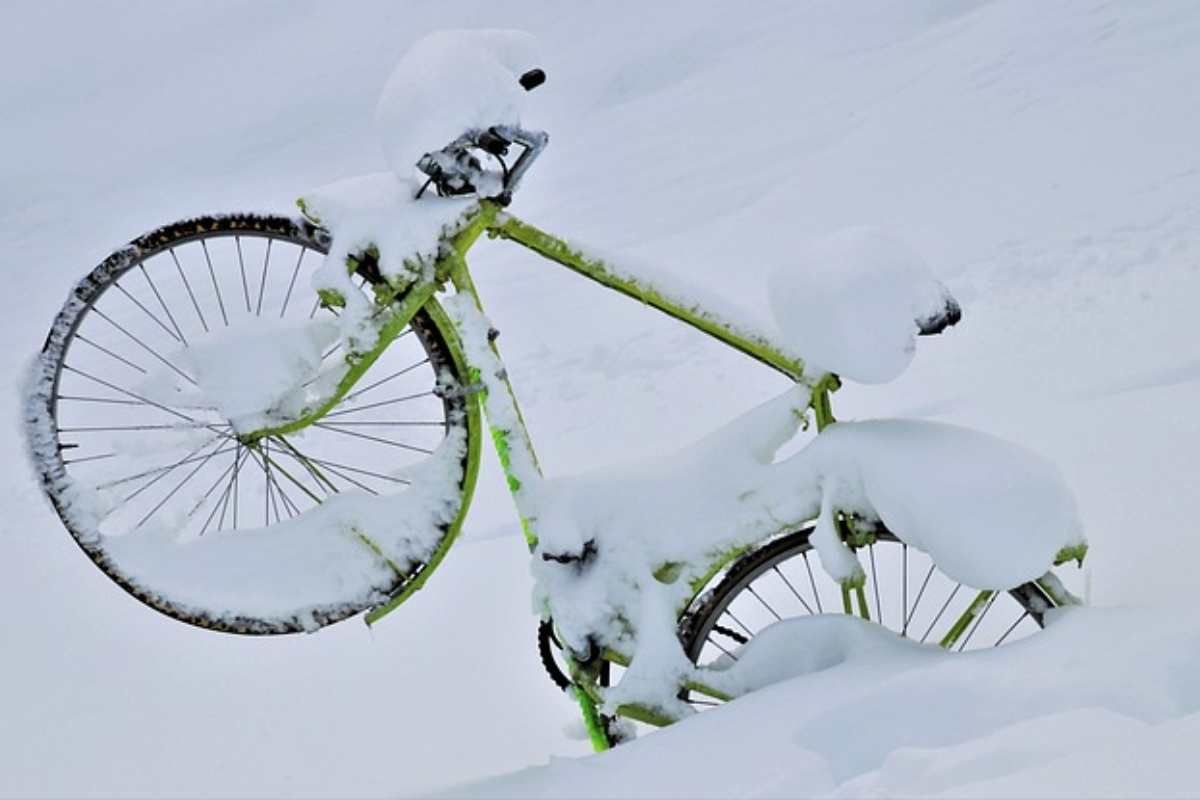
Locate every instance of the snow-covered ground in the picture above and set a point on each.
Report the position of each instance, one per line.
(1041, 157)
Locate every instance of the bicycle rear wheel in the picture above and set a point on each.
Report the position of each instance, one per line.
(139, 454)
(904, 592)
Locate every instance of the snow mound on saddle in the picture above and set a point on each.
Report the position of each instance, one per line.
(853, 303)
(448, 83)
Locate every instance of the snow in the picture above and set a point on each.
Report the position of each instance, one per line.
(448, 83)
(316, 561)
(991, 515)
(379, 210)
(853, 301)
(1039, 157)
(246, 374)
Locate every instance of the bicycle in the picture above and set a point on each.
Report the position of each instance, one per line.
(191, 389)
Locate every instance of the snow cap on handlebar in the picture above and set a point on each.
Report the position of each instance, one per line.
(450, 82)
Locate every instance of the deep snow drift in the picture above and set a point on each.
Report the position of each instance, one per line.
(1039, 157)
(1060, 714)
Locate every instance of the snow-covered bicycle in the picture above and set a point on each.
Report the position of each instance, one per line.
(264, 425)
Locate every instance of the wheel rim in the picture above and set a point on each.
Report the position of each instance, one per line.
(136, 318)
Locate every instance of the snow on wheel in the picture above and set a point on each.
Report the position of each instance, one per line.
(904, 592)
(164, 358)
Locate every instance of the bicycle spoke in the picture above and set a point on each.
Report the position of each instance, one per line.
(1011, 628)
(209, 492)
(941, 612)
(812, 582)
(378, 439)
(107, 352)
(146, 473)
(100, 400)
(382, 381)
(235, 489)
(216, 288)
(149, 313)
(717, 644)
(380, 404)
(161, 302)
(764, 602)
(978, 620)
(238, 457)
(188, 286)
(277, 469)
(237, 240)
(187, 459)
(323, 482)
(173, 492)
(292, 283)
(904, 590)
(783, 577)
(389, 423)
(135, 396)
(331, 464)
(350, 480)
(88, 458)
(143, 345)
(262, 285)
(912, 612)
(266, 465)
(118, 428)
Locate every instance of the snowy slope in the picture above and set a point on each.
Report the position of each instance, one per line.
(1040, 156)
(1060, 715)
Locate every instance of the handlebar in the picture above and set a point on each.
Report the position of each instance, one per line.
(455, 170)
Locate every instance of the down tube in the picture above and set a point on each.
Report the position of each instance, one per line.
(609, 275)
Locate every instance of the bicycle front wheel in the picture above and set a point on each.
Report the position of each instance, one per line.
(134, 429)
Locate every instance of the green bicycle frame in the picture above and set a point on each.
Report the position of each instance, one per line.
(399, 304)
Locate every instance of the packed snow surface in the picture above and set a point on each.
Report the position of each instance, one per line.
(448, 83)
(852, 302)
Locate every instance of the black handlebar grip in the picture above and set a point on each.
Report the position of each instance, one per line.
(532, 79)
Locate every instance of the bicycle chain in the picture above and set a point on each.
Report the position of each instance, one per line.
(545, 636)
